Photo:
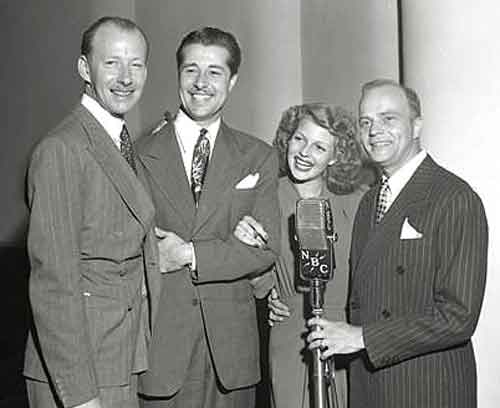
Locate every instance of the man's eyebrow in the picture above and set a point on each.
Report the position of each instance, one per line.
(188, 64)
(390, 112)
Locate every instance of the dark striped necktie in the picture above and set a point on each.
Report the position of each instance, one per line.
(201, 154)
(126, 148)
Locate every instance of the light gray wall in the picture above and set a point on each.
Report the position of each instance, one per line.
(270, 74)
(346, 43)
(451, 56)
(39, 43)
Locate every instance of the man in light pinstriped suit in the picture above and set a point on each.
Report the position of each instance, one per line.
(418, 275)
(91, 245)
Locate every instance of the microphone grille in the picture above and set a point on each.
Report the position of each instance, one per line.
(310, 223)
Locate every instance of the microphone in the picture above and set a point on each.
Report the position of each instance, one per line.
(315, 237)
(316, 262)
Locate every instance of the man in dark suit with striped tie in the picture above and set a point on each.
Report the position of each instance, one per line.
(94, 280)
(204, 177)
(418, 259)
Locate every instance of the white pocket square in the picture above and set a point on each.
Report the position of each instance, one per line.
(409, 232)
(248, 182)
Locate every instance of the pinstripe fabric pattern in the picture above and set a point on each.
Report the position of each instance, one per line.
(418, 300)
(90, 245)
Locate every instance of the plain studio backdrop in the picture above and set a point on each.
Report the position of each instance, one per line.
(293, 51)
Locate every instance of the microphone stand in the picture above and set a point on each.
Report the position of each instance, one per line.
(314, 223)
(322, 371)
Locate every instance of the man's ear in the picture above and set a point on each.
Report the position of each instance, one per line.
(417, 127)
(84, 68)
(233, 81)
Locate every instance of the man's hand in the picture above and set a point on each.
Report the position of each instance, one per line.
(334, 337)
(174, 252)
(250, 232)
(278, 311)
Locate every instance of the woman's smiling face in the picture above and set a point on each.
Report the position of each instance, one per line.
(310, 151)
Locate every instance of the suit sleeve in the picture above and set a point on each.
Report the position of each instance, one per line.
(459, 280)
(61, 326)
(230, 259)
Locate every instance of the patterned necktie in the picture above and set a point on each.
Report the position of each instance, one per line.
(383, 199)
(201, 154)
(126, 148)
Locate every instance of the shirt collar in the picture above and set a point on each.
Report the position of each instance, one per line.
(399, 179)
(111, 124)
(188, 130)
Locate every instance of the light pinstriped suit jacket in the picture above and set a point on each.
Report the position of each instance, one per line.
(418, 300)
(90, 244)
(222, 290)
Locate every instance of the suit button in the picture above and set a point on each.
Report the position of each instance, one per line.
(195, 302)
(386, 314)
(400, 270)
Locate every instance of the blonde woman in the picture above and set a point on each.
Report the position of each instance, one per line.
(319, 157)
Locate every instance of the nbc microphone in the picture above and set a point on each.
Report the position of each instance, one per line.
(315, 236)
(316, 261)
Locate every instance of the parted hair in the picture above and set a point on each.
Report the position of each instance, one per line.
(212, 36)
(343, 176)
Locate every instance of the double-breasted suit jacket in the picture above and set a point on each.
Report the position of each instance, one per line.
(93, 256)
(417, 287)
(222, 289)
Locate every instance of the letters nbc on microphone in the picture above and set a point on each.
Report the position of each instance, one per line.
(315, 236)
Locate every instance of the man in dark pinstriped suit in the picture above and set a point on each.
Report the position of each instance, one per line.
(418, 275)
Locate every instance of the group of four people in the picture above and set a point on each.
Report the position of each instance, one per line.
(146, 259)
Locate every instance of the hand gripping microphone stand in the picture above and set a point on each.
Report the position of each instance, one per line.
(315, 236)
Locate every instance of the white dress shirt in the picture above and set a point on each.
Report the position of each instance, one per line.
(399, 179)
(187, 132)
(111, 124)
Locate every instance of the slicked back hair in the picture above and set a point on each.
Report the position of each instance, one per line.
(122, 23)
(411, 96)
(212, 36)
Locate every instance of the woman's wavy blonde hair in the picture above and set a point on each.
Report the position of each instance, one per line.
(342, 177)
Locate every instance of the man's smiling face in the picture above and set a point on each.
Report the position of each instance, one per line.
(205, 82)
(388, 132)
(116, 68)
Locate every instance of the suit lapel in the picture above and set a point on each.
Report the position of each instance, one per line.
(164, 162)
(117, 169)
(412, 198)
(220, 175)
